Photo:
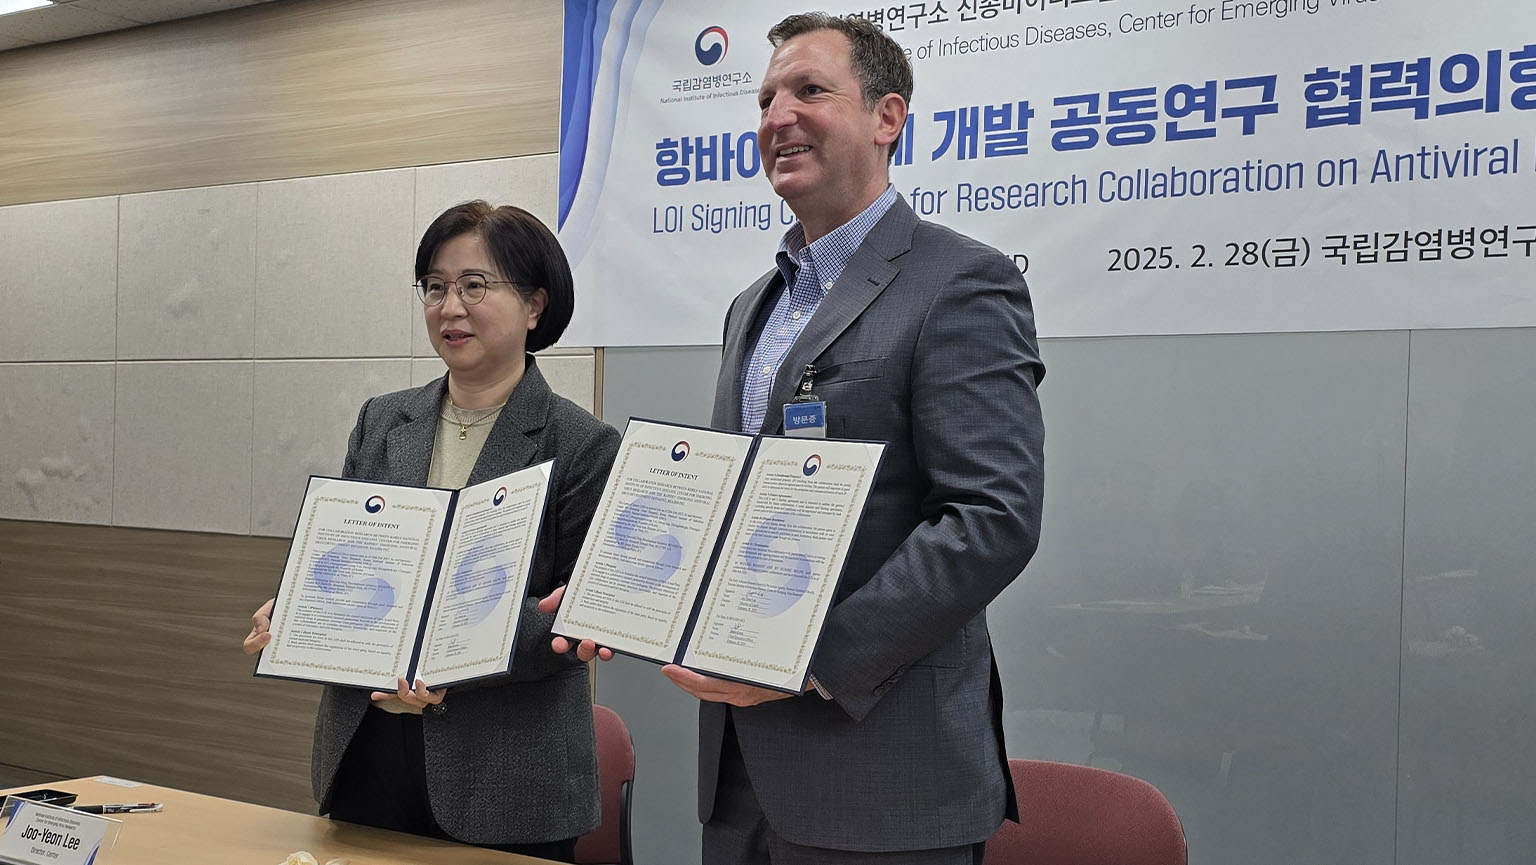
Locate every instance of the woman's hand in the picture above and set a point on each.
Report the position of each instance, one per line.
(420, 697)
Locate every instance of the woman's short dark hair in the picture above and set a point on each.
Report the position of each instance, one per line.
(878, 61)
(524, 250)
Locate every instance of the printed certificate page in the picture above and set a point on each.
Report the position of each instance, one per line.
(784, 551)
(355, 583)
(472, 626)
(646, 555)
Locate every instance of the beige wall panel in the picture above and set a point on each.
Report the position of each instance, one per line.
(571, 374)
(304, 413)
(64, 20)
(425, 369)
(285, 89)
(56, 425)
(421, 343)
(333, 266)
(58, 278)
(182, 446)
(528, 182)
(123, 658)
(186, 284)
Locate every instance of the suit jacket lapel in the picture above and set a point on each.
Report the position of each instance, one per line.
(738, 341)
(509, 447)
(408, 447)
(868, 273)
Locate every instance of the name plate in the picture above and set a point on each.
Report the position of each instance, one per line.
(37, 834)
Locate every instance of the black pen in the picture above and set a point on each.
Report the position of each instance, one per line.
(125, 808)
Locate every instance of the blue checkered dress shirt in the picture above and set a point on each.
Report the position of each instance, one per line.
(809, 272)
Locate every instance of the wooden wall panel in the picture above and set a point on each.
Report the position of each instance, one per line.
(285, 89)
(121, 656)
(15, 776)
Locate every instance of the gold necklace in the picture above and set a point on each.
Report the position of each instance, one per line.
(487, 414)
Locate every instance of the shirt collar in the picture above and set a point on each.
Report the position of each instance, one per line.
(830, 253)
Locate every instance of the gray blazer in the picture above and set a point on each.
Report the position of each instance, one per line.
(926, 342)
(511, 761)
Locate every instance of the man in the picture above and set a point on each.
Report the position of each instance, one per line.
(924, 339)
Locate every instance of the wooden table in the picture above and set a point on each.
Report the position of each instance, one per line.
(195, 828)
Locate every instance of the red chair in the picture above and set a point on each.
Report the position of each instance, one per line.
(608, 844)
(1079, 815)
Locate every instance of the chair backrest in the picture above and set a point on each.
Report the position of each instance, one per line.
(1079, 815)
(608, 844)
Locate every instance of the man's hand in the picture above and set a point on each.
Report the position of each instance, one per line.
(421, 698)
(586, 650)
(713, 690)
(261, 629)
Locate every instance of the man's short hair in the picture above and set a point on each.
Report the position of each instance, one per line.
(877, 60)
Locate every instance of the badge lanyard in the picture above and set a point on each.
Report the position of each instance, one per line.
(806, 415)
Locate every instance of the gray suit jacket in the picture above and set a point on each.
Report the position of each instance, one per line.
(926, 342)
(511, 761)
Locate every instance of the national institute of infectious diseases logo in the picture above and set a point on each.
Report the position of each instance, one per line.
(374, 504)
(711, 45)
(812, 465)
(501, 496)
(680, 452)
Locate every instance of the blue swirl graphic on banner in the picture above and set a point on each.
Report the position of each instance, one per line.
(711, 45)
(476, 595)
(639, 528)
(355, 588)
(764, 553)
(588, 25)
(578, 76)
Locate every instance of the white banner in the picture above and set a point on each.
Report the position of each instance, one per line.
(1153, 167)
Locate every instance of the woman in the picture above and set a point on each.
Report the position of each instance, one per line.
(511, 763)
